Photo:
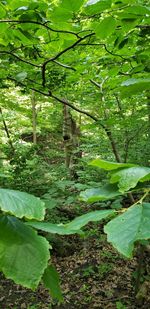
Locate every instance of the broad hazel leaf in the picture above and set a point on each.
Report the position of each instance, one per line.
(21, 204)
(60, 229)
(129, 177)
(23, 254)
(100, 194)
(129, 227)
(109, 166)
(52, 282)
(92, 216)
(74, 226)
(134, 86)
(96, 6)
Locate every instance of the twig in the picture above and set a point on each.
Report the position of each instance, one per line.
(64, 65)
(41, 24)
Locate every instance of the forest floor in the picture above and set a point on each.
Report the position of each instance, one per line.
(93, 275)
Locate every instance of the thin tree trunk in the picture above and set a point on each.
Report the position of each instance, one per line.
(34, 118)
(148, 110)
(7, 130)
(71, 134)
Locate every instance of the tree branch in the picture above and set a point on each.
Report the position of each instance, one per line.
(20, 59)
(95, 83)
(61, 53)
(64, 65)
(66, 102)
(107, 50)
(7, 131)
(41, 24)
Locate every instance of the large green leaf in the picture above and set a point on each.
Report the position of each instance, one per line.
(129, 177)
(51, 282)
(21, 204)
(129, 227)
(60, 229)
(23, 254)
(108, 166)
(99, 194)
(97, 6)
(71, 5)
(134, 86)
(105, 27)
(75, 225)
(92, 216)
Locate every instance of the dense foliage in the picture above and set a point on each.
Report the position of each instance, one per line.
(74, 86)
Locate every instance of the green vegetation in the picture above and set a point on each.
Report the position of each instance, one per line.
(75, 131)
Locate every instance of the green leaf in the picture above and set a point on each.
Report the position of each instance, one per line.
(21, 76)
(73, 226)
(60, 229)
(123, 43)
(108, 166)
(99, 194)
(81, 221)
(105, 27)
(51, 281)
(21, 204)
(129, 227)
(61, 14)
(71, 5)
(23, 254)
(137, 10)
(129, 177)
(96, 6)
(14, 4)
(2, 11)
(133, 86)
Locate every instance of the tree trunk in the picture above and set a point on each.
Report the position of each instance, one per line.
(71, 134)
(34, 118)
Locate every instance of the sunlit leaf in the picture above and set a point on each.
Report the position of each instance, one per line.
(21, 204)
(134, 86)
(99, 194)
(108, 166)
(104, 28)
(129, 177)
(97, 6)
